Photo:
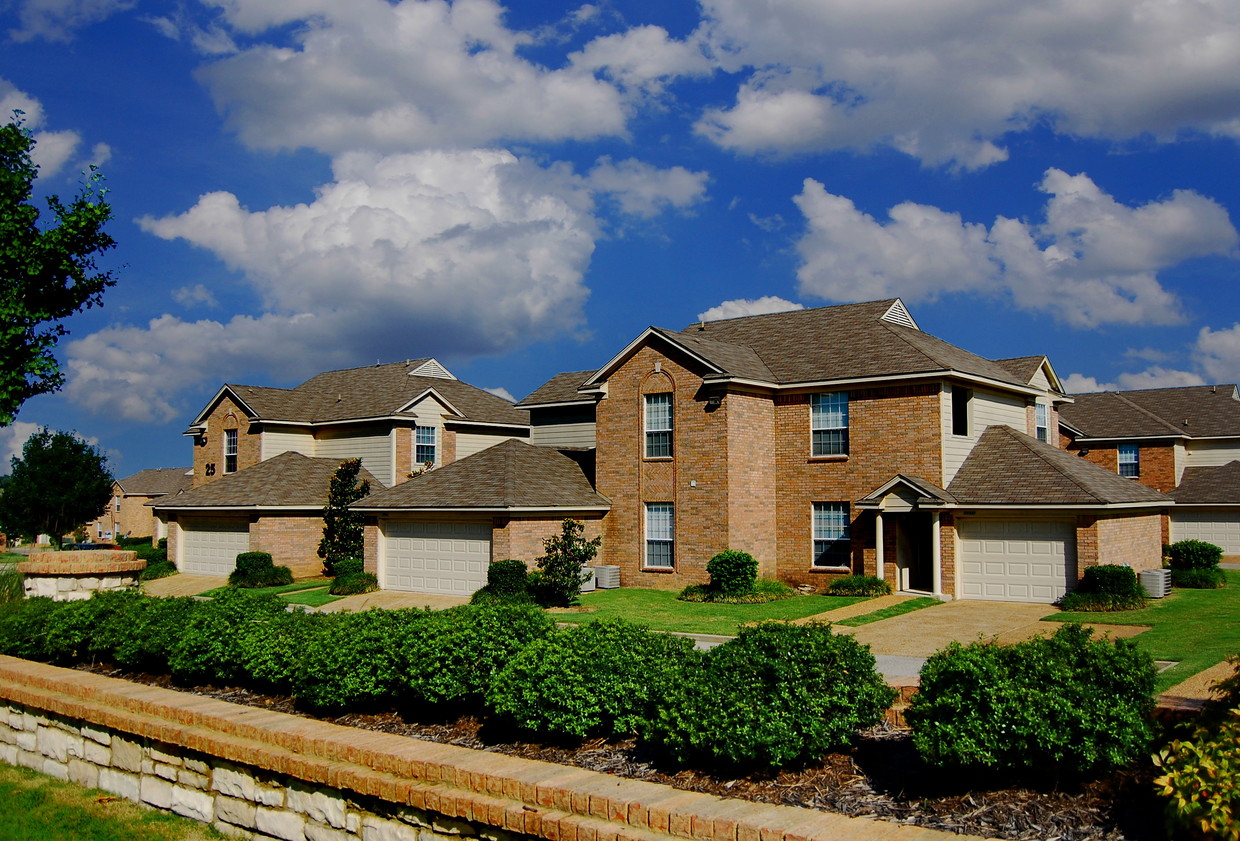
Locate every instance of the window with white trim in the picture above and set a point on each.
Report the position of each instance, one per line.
(961, 398)
(1129, 460)
(117, 502)
(425, 441)
(832, 546)
(1040, 423)
(659, 425)
(660, 535)
(230, 451)
(829, 423)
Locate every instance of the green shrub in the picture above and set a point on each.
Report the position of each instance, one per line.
(351, 583)
(158, 569)
(150, 554)
(859, 585)
(561, 567)
(1193, 554)
(1106, 587)
(507, 581)
(256, 569)
(1225, 693)
(1201, 781)
(23, 627)
(142, 632)
(162, 543)
(207, 645)
(764, 590)
(133, 542)
(1064, 704)
(270, 648)
(777, 693)
(732, 573)
(1198, 579)
(456, 652)
(346, 566)
(599, 678)
(353, 659)
(72, 626)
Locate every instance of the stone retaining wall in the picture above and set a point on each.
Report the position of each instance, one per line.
(71, 576)
(258, 774)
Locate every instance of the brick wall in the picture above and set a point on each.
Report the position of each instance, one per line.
(522, 537)
(1134, 540)
(751, 478)
(1157, 463)
(292, 540)
(211, 454)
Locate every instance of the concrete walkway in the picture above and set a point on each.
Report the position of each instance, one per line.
(182, 584)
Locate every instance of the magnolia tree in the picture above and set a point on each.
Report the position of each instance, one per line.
(343, 529)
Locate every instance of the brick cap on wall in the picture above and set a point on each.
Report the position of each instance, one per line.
(537, 798)
(100, 561)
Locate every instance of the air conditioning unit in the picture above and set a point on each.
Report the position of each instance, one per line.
(1157, 582)
(588, 585)
(607, 577)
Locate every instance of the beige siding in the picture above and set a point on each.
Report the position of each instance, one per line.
(987, 408)
(373, 448)
(1211, 453)
(468, 443)
(563, 435)
(276, 441)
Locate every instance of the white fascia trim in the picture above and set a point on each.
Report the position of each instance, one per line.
(342, 421)
(619, 358)
(556, 403)
(200, 418)
(1205, 505)
(517, 509)
(1107, 506)
(247, 508)
(432, 393)
(837, 384)
(1170, 436)
(494, 424)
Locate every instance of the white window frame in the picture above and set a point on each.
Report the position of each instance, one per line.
(660, 550)
(1041, 422)
(230, 450)
(828, 413)
(658, 423)
(1129, 456)
(831, 530)
(425, 442)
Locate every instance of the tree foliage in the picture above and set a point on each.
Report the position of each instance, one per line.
(342, 528)
(58, 483)
(47, 272)
(562, 566)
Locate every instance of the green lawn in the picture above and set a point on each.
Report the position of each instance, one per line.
(39, 808)
(312, 592)
(660, 610)
(888, 612)
(12, 558)
(1198, 628)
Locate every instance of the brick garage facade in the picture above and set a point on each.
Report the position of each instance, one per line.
(522, 537)
(291, 539)
(1133, 540)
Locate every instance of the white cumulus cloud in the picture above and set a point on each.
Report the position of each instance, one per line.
(53, 150)
(947, 80)
(57, 20)
(1092, 261)
(12, 439)
(642, 189)
(739, 307)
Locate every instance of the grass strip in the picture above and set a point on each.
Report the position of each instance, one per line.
(296, 586)
(888, 612)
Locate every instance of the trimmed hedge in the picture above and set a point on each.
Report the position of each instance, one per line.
(351, 583)
(508, 580)
(1067, 704)
(1106, 587)
(859, 585)
(1198, 579)
(256, 569)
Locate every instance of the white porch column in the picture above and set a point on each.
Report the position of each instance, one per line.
(936, 553)
(878, 543)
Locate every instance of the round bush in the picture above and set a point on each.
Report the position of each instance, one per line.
(859, 585)
(777, 693)
(1106, 587)
(456, 652)
(596, 679)
(1193, 554)
(256, 569)
(348, 566)
(1067, 704)
(351, 583)
(732, 573)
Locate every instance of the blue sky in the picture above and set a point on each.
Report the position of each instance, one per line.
(520, 189)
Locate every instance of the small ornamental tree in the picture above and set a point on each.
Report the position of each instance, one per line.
(342, 528)
(58, 483)
(561, 568)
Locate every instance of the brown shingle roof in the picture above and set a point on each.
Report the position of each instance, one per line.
(1024, 368)
(1206, 485)
(828, 343)
(157, 481)
(512, 474)
(289, 479)
(373, 391)
(1007, 467)
(1190, 411)
(562, 388)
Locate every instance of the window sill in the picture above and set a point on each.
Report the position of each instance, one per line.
(659, 569)
(830, 570)
(814, 459)
(658, 458)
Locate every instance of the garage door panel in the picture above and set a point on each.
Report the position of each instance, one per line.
(1220, 527)
(429, 557)
(210, 547)
(1013, 560)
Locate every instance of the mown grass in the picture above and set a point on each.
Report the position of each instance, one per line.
(1197, 628)
(12, 558)
(661, 611)
(39, 808)
(311, 592)
(888, 612)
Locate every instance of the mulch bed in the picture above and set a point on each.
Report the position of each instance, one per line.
(880, 776)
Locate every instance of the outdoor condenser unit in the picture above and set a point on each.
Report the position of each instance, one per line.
(607, 577)
(1157, 582)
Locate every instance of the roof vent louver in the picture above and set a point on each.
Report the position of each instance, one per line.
(897, 314)
(432, 368)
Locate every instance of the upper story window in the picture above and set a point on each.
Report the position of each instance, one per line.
(1040, 422)
(832, 546)
(425, 440)
(829, 423)
(230, 451)
(660, 535)
(659, 425)
(961, 398)
(1129, 460)
(117, 502)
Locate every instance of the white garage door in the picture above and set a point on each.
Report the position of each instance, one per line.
(211, 547)
(1017, 561)
(436, 557)
(1220, 527)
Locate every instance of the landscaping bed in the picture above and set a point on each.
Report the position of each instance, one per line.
(880, 776)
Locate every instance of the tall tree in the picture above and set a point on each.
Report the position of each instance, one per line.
(47, 272)
(342, 529)
(58, 483)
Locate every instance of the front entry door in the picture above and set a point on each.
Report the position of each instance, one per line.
(913, 552)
